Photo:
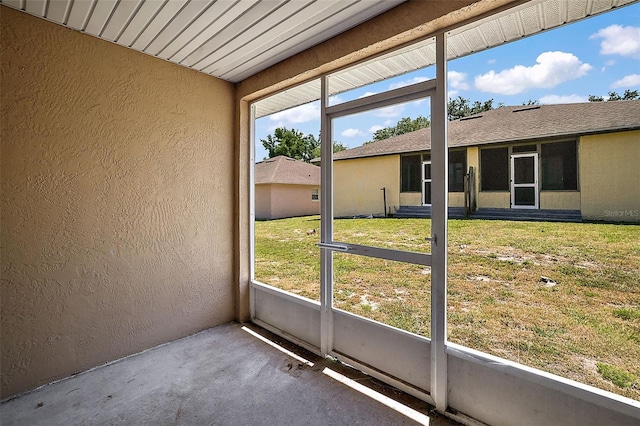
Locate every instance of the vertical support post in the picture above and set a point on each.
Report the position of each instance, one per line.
(439, 192)
(326, 222)
(252, 210)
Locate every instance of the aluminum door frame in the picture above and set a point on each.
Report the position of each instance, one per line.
(331, 342)
(533, 185)
(425, 180)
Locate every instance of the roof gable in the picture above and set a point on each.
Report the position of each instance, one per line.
(286, 170)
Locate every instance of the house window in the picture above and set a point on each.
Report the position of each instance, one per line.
(457, 168)
(410, 175)
(524, 148)
(559, 166)
(314, 194)
(494, 169)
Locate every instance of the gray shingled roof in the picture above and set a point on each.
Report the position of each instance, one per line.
(286, 170)
(515, 123)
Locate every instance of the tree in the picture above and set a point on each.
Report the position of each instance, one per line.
(628, 95)
(461, 107)
(405, 125)
(291, 143)
(337, 147)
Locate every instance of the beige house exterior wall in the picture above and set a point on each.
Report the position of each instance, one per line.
(277, 201)
(609, 177)
(357, 185)
(494, 200)
(560, 200)
(263, 201)
(410, 198)
(117, 202)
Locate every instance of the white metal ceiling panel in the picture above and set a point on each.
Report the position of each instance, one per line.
(180, 22)
(319, 32)
(158, 23)
(16, 4)
(247, 21)
(57, 10)
(36, 7)
(140, 22)
(270, 25)
(206, 21)
(100, 16)
(122, 15)
(229, 39)
(553, 14)
(79, 16)
(317, 14)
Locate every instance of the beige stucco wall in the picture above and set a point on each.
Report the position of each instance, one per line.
(276, 201)
(117, 201)
(357, 185)
(494, 200)
(609, 177)
(410, 199)
(561, 200)
(262, 204)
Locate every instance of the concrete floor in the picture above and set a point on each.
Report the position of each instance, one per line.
(228, 375)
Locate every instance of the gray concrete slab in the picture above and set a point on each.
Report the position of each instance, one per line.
(221, 376)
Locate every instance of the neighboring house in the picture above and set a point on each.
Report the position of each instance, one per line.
(576, 157)
(285, 187)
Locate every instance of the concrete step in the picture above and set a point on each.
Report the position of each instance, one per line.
(496, 214)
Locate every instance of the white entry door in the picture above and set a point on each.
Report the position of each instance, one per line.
(524, 181)
(426, 183)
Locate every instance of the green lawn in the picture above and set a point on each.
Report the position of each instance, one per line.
(584, 325)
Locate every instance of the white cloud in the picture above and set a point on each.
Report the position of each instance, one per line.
(458, 80)
(375, 128)
(272, 127)
(619, 40)
(352, 133)
(491, 61)
(453, 93)
(551, 69)
(299, 114)
(610, 62)
(365, 94)
(627, 81)
(409, 82)
(563, 99)
(388, 122)
(390, 111)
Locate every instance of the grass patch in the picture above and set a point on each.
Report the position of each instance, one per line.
(627, 314)
(617, 376)
(497, 302)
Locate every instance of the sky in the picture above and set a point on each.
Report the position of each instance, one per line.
(563, 65)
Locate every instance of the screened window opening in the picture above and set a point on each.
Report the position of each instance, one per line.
(457, 169)
(559, 166)
(494, 169)
(314, 195)
(410, 173)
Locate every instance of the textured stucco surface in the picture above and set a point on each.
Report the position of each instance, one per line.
(277, 201)
(358, 191)
(117, 202)
(609, 177)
